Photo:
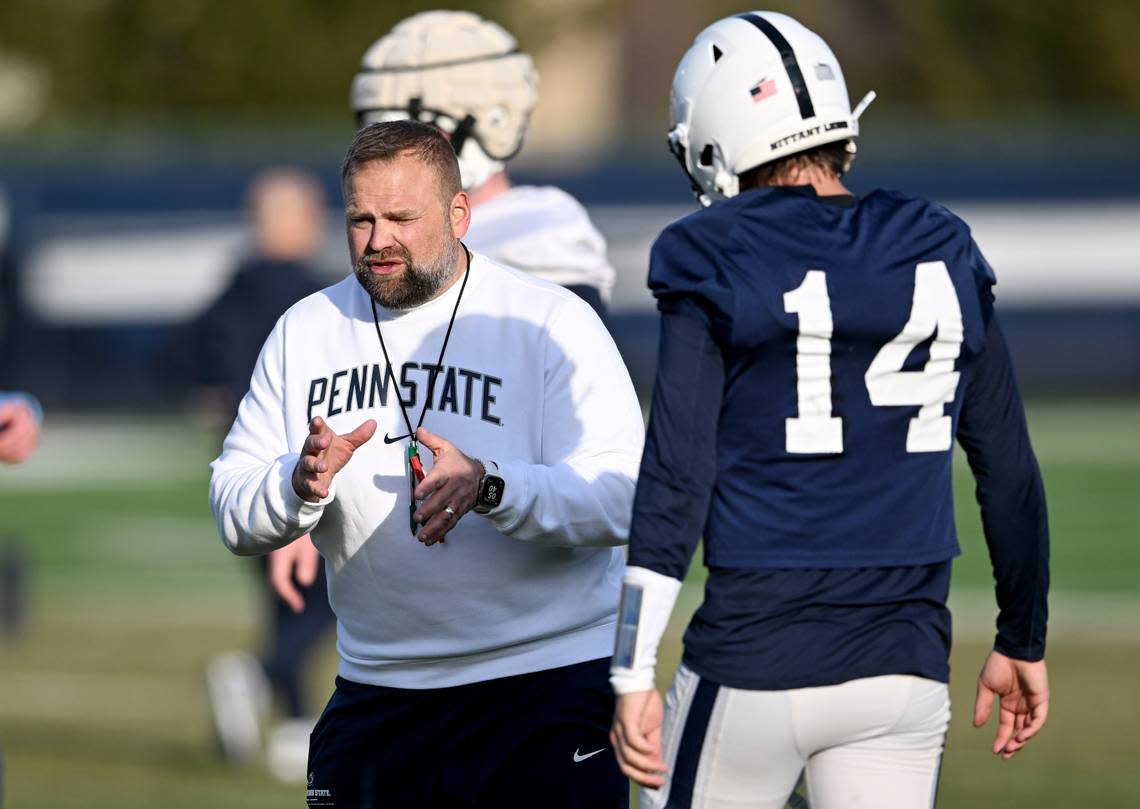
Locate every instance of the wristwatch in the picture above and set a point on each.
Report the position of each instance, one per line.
(491, 488)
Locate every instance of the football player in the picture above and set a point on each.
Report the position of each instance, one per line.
(820, 352)
(467, 76)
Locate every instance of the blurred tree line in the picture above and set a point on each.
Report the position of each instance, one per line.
(91, 65)
(947, 59)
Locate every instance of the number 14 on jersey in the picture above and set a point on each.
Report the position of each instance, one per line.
(935, 311)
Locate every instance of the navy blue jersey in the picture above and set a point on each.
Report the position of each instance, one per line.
(828, 538)
(801, 299)
(801, 628)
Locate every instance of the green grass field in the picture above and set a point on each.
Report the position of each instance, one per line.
(130, 593)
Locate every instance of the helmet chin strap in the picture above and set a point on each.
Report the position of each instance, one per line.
(462, 132)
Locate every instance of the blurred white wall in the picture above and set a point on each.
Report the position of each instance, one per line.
(163, 269)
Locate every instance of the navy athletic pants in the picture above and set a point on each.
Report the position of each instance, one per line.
(533, 740)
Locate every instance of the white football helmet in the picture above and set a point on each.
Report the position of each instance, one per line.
(754, 88)
(458, 71)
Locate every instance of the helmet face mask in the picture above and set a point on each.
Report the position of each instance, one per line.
(475, 166)
(752, 89)
(459, 72)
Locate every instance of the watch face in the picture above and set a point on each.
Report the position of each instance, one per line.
(491, 493)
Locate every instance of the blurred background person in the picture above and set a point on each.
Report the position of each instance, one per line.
(218, 350)
(20, 413)
(20, 417)
(286, 209)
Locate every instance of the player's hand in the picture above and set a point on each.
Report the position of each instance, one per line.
(1023, 689)
(323, 455)
(299, 560)
(453, 481)
(636, 737)
(19, 432)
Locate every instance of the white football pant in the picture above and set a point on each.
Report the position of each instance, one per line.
(870, 743)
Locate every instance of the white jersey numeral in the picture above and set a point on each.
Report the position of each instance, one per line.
(814, 430)
(935, 312)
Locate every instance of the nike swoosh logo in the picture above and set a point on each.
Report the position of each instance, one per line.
(388, 440)
(578, 757)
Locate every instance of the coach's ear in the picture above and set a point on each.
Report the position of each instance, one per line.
(460, 214)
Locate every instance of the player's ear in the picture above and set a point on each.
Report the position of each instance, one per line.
(460, 211)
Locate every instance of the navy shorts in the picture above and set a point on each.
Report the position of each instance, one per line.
(539, 739)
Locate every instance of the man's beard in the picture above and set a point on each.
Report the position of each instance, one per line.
(415, 285)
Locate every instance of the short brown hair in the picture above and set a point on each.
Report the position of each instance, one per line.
(831, 157)
(389, 139)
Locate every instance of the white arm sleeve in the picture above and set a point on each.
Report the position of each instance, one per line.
(592, 437)
(647, 600)
(251, 488)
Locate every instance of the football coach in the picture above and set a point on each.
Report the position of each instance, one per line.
(462, 441)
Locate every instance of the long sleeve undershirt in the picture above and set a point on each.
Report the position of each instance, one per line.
(679, 464)
(993, 432)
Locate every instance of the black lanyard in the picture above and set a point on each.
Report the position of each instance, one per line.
(413, 449)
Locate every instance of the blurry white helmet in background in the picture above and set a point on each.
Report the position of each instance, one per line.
(458, 71)
(754, 88)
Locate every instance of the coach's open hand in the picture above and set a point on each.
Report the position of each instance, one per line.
(324, 454)
(1023, 688)
(636, 736)
(453, 481)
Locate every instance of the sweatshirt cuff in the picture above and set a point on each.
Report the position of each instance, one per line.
(510, 512)
(297, 510)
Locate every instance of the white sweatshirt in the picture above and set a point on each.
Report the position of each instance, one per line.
(545, 231)
(531, 380)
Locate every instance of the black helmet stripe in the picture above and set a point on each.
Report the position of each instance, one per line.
(803, 97)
